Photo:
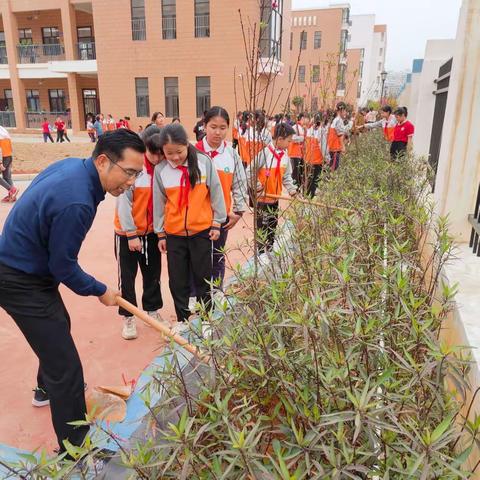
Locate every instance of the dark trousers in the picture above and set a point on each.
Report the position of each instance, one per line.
(47, 136)
(398, 149)
(313, 177)
(235, 143)
(298, 171)
(65, 136)
(60, 136)
(186, 257)
(150, 263)
(92, 136)
(218, 267)
(37, 308)
(267, 221)
(6, 178)
(335, 160)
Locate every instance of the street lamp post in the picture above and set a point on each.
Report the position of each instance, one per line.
(383, 76)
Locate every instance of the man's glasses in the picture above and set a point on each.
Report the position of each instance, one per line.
(130, 173)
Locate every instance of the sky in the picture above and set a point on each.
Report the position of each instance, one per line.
(410, 23)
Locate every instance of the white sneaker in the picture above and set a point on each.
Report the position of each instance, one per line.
(192, 301)
(129, 331)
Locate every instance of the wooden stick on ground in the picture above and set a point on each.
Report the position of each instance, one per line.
(307, 202)
(163, 329)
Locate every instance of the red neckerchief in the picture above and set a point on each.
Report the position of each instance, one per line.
(184, 186)
(212, 154)
(149, 167)
(278, 157)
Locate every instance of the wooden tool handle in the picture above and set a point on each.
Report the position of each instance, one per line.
(306, 202)
(163, 329)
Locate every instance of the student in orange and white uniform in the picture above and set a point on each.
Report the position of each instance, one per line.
(387, 123)
(313, 155)
(257, 137)
(6, 166)
(232, 177)
(236, 130)
(336, 136)
(110, 124)
(136, 245)
(243, 130)
(188, 211)
(274, 172)
(296, 149)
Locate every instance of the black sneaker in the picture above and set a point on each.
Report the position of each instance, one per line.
(40, 397)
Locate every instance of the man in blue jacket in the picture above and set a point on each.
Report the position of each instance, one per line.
(39, 250)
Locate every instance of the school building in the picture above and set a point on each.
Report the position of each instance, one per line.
(134, 57)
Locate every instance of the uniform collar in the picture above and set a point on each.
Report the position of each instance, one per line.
(277, 150)
(92, 171)
(208, 148)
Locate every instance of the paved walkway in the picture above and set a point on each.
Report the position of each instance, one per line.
(106, 356)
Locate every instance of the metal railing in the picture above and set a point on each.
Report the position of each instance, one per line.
(3, 56)
(7, 119)
(169, 28)
(40, 53)
(86, 51)
(202, 25)
(474, 221)
(139, 29)
(35, 119)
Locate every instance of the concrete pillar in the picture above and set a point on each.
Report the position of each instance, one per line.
(76, 110)
(458, 174)
(69, 28)
(10, 27)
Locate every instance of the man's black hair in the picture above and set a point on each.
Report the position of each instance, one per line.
(114, 143)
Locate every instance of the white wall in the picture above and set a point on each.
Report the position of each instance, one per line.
(361, 33)
(437, 52)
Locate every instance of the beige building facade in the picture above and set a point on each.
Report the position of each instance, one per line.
(134, 57)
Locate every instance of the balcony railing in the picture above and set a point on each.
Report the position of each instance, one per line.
(7, 119)
(35, 119)
(474, 221)
(169, 28)
(86, 51)
(139, 29)
(3, 56)
(202, 26)
(40, 53)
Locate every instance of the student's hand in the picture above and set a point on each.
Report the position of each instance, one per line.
(233, 219)
(293, 193)
(109, 298)
(134, 245)
(162, 245)
(214, 234)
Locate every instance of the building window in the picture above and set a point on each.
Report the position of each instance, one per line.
(383, 37)
(8, 99)
(317, 40)
(169, 19)
(303, 40)
(51, 41)
(33, 100)
(142, 99)
(271, 15)
(139, 28)
(291, 40)
(341, 77)
(360, 69)
(86, 43)
(203, 95)
(362, 53)
(315, 73)
(381, 52)
(314, 105)
(343, 42)
(25, 36)
(379, 65)
(290, 74)
(3, 49)
(346, 15)
(171, 97)
(359, 89)
(301, 73)
(202, 18)
(56, 98)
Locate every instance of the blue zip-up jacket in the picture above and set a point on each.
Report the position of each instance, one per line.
(45, 229)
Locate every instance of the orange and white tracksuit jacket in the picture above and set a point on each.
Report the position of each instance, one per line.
(133, 214)
(336, 134)
(296, 147)
(183, 211)
(5, 143)
(274, 171)
(313, 146)
(387, 125)
(231, 174)
(252, 142)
